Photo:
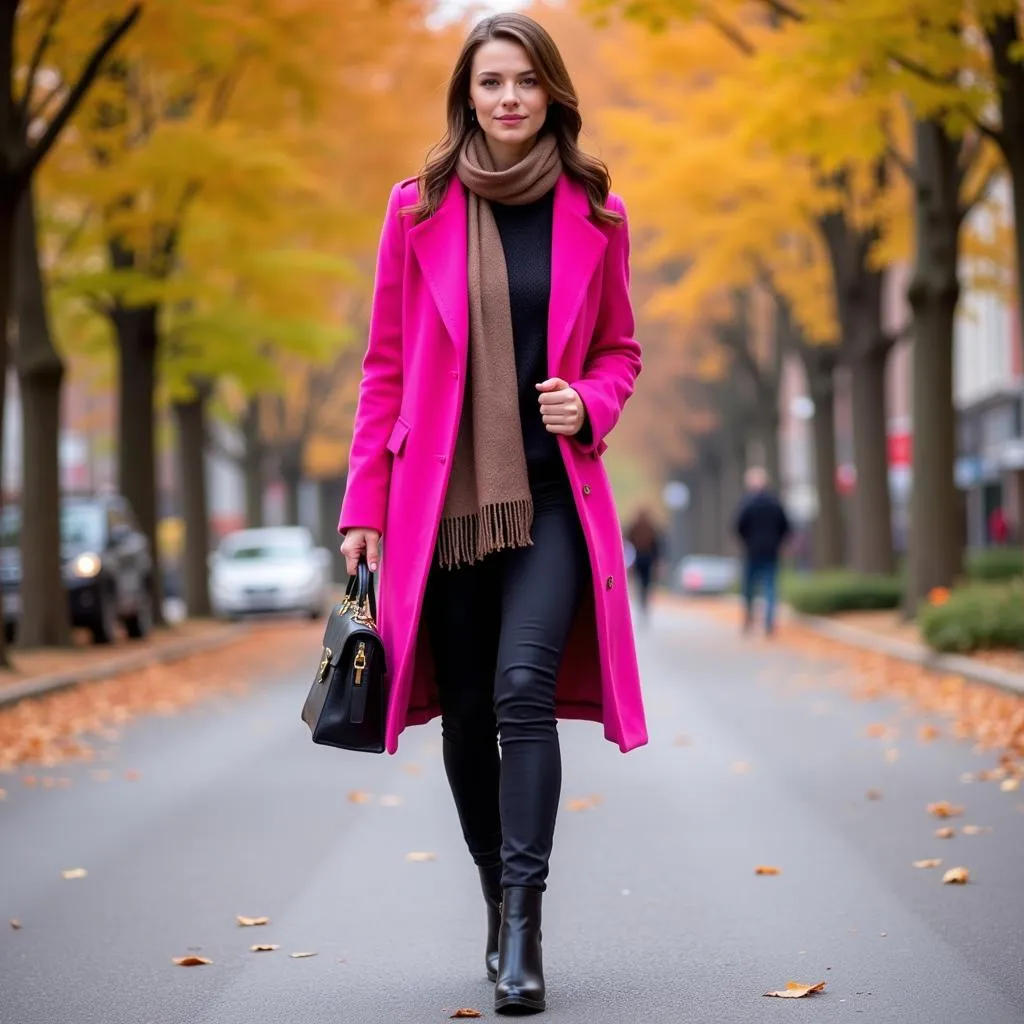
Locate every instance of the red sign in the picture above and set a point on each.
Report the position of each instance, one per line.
(900, 448)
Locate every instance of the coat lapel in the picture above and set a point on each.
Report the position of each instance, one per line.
(440, 245)
(577, 246)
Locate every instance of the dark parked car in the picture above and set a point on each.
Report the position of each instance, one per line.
(108, 566)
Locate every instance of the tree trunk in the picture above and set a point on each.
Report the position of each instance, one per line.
(935, 551)
(709, 504)
(768, 438)
(291, 476)
(865, 348)
(44, 619)
(330, 493)
(138, 342)
(254, 458)
(734, 464)
(872, 515)
(828, 533)
(191, 419)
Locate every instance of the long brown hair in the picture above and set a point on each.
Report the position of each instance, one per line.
(563, 118)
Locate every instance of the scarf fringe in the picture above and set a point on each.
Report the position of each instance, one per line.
(463, 540)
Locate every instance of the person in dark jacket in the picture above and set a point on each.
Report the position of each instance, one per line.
(762, 526)
(645, 537)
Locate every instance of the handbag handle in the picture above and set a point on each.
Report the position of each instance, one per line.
(360, 592)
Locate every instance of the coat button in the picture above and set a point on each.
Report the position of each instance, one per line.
(586, 488)
(441, 458)
(455, 374)
(610, 582)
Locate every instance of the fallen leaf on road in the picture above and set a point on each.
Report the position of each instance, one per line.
(264, 948)
(251, 922)
(465, 1012)
(927, 733)
(1010, 785)
(3, 794)
(28, 780)
(390, 801)
(192, 961)
(681, 741)
(418, 858)
(74, 873)
(892, 755)
(955, 876)
(797, 990)
(877, 730)
(359, 796)
(929, 862)
(412, 769)
(101, 775)
(15, 924)
(582, 804)
(874, 794)
(740, 767)
(967, 777)
(944, 809)
(300, 956)
(945, 833)
(975, 830)
(132, 775)
(766, 869)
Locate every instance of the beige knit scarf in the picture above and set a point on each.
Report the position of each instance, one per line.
(488, 506)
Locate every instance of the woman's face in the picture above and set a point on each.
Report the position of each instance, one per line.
(510, 103)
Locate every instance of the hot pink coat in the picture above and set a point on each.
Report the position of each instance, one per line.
(404, 438)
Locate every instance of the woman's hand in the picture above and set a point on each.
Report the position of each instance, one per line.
(358, 542)
(561, 408)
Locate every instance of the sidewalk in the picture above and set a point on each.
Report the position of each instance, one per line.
(882, 633)
(38, 672)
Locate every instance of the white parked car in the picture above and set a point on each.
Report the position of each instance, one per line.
(274, 569)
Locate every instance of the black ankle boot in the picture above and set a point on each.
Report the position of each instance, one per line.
(490, 882)
(520, 987)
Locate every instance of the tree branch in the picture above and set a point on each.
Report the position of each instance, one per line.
(905, 165)
(42, 45)
(77, 92)
(732, 33)
(785, 10)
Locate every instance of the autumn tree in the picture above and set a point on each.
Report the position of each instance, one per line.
(42, 85)
(225, 194)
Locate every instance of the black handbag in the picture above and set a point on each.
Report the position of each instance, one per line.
(347, 704)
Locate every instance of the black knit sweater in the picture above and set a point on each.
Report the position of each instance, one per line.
(526, 238)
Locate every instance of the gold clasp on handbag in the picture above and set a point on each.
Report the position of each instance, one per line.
(360, 663)
(322, 672)
(363, 616)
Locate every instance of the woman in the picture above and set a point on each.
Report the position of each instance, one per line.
(645, 537)
(500, 355)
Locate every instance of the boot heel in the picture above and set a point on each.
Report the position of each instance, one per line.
(520, 986)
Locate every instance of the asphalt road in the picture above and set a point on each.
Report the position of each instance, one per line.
(653, 913)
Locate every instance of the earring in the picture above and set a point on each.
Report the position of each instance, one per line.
(472, 115)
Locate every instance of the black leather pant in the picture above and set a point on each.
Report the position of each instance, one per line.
(497, 631)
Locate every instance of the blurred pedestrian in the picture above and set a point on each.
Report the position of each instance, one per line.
(761, 525)
(501, 353)
(645, 538)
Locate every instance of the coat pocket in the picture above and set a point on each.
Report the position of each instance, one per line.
(396, 442)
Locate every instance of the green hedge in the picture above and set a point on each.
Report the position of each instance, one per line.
(825, 593)
(995, 563)
(976, 617)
